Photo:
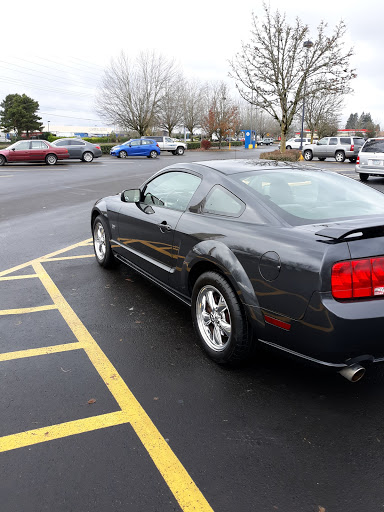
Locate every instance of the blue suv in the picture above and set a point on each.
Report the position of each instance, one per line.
(136, 147)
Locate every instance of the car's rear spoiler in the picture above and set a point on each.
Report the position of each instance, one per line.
(358, 229)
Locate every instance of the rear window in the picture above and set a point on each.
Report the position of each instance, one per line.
(305, 197)
(374, 146)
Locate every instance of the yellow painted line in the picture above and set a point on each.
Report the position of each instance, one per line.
(175, 475)
(11, 278)
(22, 311)
(69, 257)
(50, 255)
(41, 351)
(40, 435)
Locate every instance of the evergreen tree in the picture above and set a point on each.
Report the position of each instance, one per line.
(352, 122)
(19, 113)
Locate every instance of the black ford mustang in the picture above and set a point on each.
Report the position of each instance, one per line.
(263, 253)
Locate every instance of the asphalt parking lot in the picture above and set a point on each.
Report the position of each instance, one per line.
(107, 403)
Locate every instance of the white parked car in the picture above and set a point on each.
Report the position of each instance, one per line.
(294, 142)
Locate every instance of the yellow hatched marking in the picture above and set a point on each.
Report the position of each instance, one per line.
(50, 255)
(40, 435)
(175, 475)
(41, 351)
(22, 311)
(70, 257)
(11, 278)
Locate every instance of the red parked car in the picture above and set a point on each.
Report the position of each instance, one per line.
(33, 151)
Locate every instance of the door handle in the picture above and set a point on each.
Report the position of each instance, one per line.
(164, 226)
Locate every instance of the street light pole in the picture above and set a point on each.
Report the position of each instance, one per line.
(307, 44)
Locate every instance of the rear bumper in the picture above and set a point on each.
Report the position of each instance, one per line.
(332, 333)
(366, 169)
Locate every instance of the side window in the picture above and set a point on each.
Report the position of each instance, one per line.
(62, 143)
(323, 142)
(77, 143)
(168, 139)
(22, 146)
(135, 143)
(345, 140)
(374, 146)
(172, 190)
(38, 144)
(333, 141)
(222, 202)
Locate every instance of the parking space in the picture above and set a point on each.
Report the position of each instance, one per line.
(58, 384)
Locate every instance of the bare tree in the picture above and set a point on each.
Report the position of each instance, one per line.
(171, 104)
(222, 118)
(193, 104)
(276, 65)
(131, 91)
(322, 113)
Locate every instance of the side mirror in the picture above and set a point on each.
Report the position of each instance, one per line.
(132, 195)
(317, 143)
(13, 149)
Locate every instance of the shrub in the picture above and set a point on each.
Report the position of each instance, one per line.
(193, 145)
(106, 148)
(205, 144)
(290, 155)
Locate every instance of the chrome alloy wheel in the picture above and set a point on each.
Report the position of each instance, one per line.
(213, 318)
(99, 241)
(51, 159)
(87, 157)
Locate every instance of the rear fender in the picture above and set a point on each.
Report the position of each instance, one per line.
(211, 255)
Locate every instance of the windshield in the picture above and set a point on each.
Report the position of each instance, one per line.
(308, 197)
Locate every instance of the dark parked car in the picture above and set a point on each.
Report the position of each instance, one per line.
(263, 253)
(79, 149)
(32, 151)
(137, 147)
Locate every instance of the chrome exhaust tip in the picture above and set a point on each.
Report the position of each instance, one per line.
(353, 372)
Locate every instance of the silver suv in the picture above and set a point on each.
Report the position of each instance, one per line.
(338, 148)
(370, 161)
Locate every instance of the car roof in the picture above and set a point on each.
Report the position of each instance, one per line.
(237, 166)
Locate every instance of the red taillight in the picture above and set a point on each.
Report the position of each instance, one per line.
(358, 278)
(98, 147)
(342, 280)
(352, 147)
(157, 145)
(358, 160)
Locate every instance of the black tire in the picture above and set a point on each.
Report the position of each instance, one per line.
(153, 154)
(363, 176)
(233, 348)
(123, 154)
(51, 159)
(352, 160)
(102, 243)
(288, 147)
(340, 156)
(321, 159)
(180, 150)
(308, 155)
(173, 152)
(87, 156)
(2, 160)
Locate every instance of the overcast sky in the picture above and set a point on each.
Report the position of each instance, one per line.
(55, 52)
